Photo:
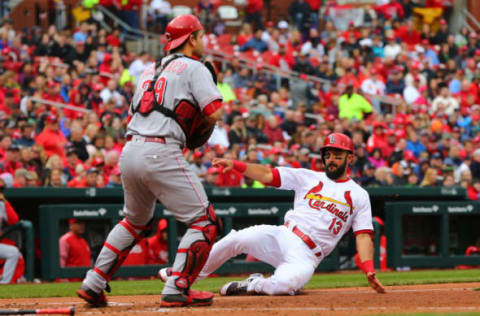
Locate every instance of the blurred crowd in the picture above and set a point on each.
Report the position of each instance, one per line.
(405, 90)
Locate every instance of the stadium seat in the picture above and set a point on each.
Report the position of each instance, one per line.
(224, 39)
(240, 2)
(229, 14)
(181, 9)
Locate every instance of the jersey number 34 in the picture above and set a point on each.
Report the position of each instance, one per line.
(335, 226)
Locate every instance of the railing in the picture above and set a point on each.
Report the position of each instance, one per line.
(468, 16)
(148, 39)
(223, 58)
(60, 105)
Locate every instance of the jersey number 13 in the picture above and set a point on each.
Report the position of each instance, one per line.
(335, 226)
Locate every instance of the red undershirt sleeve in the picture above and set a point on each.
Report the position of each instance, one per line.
(212, 107)
(276, 182)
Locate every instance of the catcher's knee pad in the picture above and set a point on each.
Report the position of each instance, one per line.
(197, 253)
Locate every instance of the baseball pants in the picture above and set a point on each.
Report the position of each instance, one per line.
(150, 172)
(293, 261)
(11, 254)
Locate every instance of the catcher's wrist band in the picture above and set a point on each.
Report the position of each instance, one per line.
(368, 266)
(240, 166)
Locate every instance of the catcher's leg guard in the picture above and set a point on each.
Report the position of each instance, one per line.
(193, 252)
(116, 248)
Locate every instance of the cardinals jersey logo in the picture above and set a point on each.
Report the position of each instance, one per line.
(319, 202)
(315, 190)
(348, 198)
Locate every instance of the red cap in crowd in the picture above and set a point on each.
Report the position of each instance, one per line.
(50, 119)
(162, 224)
(73, 221)
(97, 161)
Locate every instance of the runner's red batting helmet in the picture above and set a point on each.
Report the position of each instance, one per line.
(338, 140)
(179, 29)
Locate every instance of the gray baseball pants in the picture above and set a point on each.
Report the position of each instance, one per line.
(151, 171)
(11, 255)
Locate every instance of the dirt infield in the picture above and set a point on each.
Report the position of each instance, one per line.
(434, 298)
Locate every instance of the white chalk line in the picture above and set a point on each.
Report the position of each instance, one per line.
(401, 290)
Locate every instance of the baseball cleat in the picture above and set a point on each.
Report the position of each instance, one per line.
(239, 287)
(164, 273)
(195, 298)
(91, 297)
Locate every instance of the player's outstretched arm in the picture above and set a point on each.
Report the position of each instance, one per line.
(252, 170)
(365, 252)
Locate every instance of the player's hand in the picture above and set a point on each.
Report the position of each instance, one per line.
(375, 283)
(227, 164)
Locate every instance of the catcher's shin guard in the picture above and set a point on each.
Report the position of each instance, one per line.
(122, 254)
(198, 251)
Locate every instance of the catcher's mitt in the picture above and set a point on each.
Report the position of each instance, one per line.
(201, 131)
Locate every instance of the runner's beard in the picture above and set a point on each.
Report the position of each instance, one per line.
(334, 175)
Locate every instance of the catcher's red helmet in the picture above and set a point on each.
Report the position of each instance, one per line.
(338, 140)
(178, 30)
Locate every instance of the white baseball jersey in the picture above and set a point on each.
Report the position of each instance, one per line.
(325, 209)
(183, 79)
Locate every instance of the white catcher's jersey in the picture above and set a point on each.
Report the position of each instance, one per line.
(183, 79)
(325, 209)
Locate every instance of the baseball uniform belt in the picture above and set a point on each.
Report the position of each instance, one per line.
(149, 139)
(305, 238)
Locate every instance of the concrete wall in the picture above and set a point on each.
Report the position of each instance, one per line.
(29, 13)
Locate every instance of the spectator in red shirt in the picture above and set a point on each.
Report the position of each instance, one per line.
(378, 139)
(74, 249)
(105, 69)
(216, 176)
(89, 181)
(158, 244)
(254, 13)
(129, 12)
(391, 9)
(53, 92)
(408, 34)
(473, 190)
(351, 31)
(12, 160)
(111, 162)
(72, 162)
(114, 38)
(51, 138)
(5, 142)
(349, 79)
(138, 255)
(283, 59)
(20, 178)
(273, 131)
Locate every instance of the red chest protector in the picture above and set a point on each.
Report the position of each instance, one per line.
(187, 115)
